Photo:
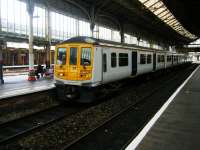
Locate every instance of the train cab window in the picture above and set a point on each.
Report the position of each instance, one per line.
(113, 60)
(61, 56)
(149, 59)
(73, 56)
(142, 59)
(104, 63)
(86, 56)
(123, 59)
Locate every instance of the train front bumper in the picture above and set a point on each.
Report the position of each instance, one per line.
(72, 82)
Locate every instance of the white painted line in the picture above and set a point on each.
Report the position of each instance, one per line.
(146, 129)
(28, 90)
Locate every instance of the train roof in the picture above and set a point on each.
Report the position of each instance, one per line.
(94, 41)
(89, 40)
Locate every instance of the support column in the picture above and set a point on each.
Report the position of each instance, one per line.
(30, 9)
(1, 62)
(47, 50)
(138, 40)
(92, 25)
(0, 19)
(1, 54)
(48, 37)
(77, 27)
(122, 33)
(151, 44)
(92, 20)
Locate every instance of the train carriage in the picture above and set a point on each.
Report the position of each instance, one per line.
(83, 64)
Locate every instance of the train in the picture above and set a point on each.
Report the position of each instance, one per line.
(85, 65)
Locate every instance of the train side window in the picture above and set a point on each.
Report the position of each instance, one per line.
(162, 58)
(113, 60)
(158, 58)
(104, 63)
(61, 56)
(86, 56)
(149, 59)
(175, 58)
(169, 58)
(142, 59)
(123, 59)
(73, 56)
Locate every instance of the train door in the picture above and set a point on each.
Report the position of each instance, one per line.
(134, 63)
(154, 61)
(73, 63)
(86, 63)
(104, 64)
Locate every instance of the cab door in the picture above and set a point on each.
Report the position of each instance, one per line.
(73, 68)
(61, 62)
(86, 62)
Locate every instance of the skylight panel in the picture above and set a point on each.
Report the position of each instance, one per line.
(160, 10)
(167, 17)
(163, 13)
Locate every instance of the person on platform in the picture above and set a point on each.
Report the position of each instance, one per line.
(40, 71)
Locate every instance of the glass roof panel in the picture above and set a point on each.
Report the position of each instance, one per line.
(150, 3)
(174, 24)
(166, 17)
(158, 11)
(173, 20)
(143, 1)
(163, 13)
(158, 8)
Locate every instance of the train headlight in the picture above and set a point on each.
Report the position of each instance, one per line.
(61, 74)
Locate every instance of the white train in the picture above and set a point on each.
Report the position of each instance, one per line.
(84, 64)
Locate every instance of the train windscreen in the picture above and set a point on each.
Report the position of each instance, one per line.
(73, 56)
(61, 56)
(86, 56)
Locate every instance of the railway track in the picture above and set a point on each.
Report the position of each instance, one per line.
(107, 123)
(20, 127)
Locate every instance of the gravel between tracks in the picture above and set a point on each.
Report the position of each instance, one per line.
(20, 106)
(69, 129)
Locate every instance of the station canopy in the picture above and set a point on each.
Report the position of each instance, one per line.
(174, 22)
(161, 18)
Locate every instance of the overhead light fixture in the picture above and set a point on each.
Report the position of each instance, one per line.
(158, 8)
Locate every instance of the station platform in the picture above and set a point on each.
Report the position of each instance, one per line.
(177, 124)
(17, 85)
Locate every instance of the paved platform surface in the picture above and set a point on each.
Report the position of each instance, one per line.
(178, 127)
(18, 85)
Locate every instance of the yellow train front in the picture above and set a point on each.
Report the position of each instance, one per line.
(74, 70)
